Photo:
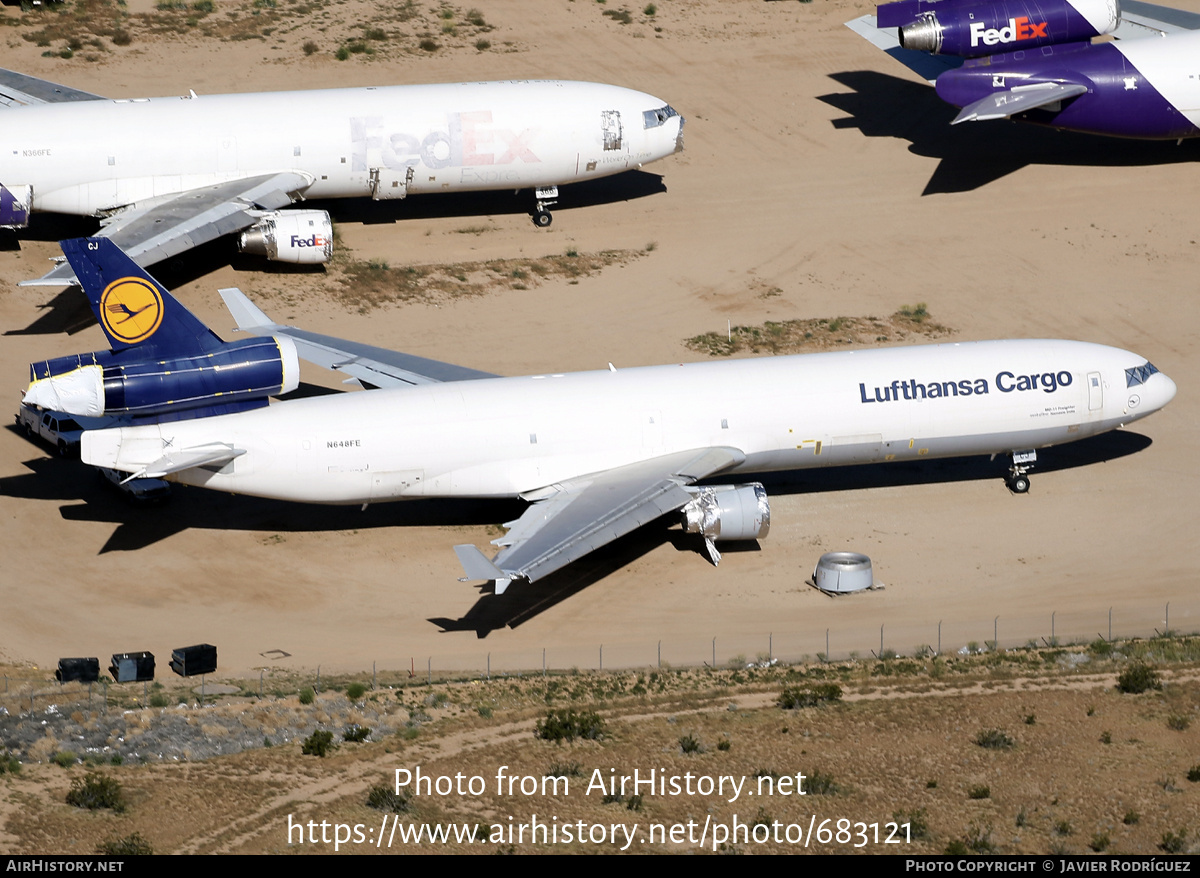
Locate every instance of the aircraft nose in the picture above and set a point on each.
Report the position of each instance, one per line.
(1150, 396)
(1165, 391)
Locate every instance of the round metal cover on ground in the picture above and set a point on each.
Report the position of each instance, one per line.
(841, 572)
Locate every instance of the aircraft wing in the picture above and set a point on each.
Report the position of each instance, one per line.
(579, 516)
(165, 227)
(928, 67)
(19, 90)
(1146, 19)
(1002, 104)
(372, 366)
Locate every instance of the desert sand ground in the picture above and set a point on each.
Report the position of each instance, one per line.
(813, 166)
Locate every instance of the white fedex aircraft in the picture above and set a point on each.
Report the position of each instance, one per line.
(168, 174)
(596, 454)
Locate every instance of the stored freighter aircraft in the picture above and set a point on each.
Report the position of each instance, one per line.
(168, 174)
(1035, 61)
(596, 454)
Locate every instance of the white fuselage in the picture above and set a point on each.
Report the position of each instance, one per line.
(1169, 65)
(504, 437)
(92, 156)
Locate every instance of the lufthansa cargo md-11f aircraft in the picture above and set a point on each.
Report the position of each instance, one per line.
(1034, 61)
(596, 454)
(168, 174)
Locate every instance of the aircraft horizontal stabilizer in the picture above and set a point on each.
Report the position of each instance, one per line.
(928, 67)
(1019, 99)
(104, 447)
(189, 458)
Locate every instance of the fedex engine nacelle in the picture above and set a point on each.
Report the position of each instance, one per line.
(302, 237)
(969, 30)
(107, 383)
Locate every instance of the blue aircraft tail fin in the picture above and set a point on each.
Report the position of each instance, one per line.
(132, 307)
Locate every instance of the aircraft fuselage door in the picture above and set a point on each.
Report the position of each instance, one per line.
(388, 184)
(610, 123)
(1095, 392)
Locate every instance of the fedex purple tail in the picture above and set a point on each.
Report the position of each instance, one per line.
(1033, 61)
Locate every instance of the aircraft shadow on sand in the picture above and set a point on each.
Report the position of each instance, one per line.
(67, 481)
(68, 311)
(977, 153)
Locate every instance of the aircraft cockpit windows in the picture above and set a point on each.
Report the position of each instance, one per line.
(655, 118)
(1139, 374)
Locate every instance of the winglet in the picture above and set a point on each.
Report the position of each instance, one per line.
(477, 566)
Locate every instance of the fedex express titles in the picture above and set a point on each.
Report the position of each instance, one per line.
(1006, 382)
(1018, 29)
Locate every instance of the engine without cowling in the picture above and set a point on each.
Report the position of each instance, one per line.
(727, 512)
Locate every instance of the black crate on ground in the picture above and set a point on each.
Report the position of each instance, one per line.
(189, 661)
(84, 670)
(132, 667)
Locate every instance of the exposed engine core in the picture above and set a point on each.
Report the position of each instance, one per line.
(729, 512)
(985, 28)
(302, 237)
(103, 383)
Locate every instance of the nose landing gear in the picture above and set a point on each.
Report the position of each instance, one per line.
(545, 198)
(1017, 479)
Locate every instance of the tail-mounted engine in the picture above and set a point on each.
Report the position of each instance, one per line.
(14, 206)
(106, 383)
(727, 512)
(972, 29)
(302, 237)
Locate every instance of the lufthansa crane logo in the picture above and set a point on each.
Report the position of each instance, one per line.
(131, 309)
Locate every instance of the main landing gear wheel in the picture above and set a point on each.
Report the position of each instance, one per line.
(1018, 484)
(542, 218)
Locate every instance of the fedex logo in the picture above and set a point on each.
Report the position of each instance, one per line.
(468, 140)
(314, 241)
(1018, 29)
